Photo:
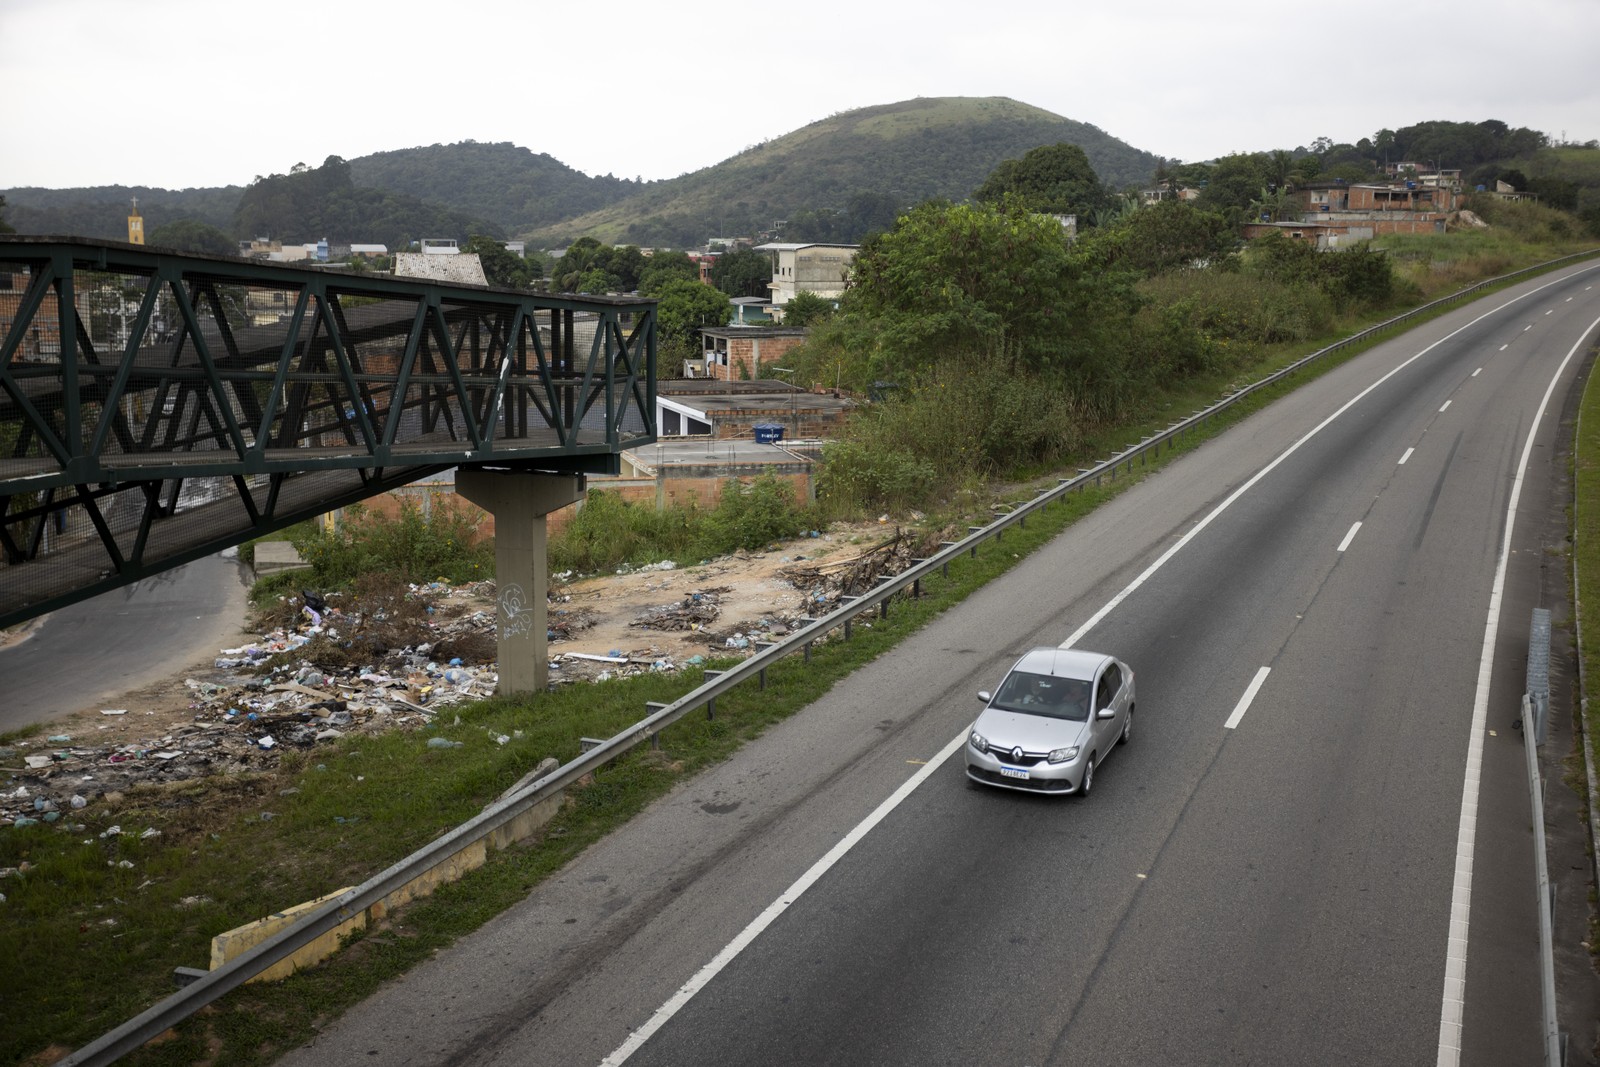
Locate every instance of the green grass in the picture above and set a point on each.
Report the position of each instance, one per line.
(1586, 569)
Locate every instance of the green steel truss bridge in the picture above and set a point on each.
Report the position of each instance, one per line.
(156, 408)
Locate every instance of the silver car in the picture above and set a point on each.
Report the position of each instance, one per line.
(1056, 716)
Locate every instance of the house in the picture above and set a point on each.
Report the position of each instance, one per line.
(1324, 235)
(823, 269)
(727, 411)
(1378, 207)
(735, 352)
(369, 251)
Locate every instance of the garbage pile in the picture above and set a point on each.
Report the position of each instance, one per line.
(859, 574)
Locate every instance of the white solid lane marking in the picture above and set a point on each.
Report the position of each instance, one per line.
(1452, 1009)
(1445, 405)
(1351, 536)
(687, 991)
(1405, 457)
(1249, 695)
(1480, 369)
(1504, 347)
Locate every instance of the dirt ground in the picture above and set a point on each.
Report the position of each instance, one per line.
(223, 716)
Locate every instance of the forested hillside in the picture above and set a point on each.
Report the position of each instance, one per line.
(506, 184)
(935, 147)
(102, 211)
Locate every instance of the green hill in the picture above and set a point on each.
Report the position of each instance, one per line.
(913, 150)
(510, 186)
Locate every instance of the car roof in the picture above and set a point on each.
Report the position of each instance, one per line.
(1062, 662)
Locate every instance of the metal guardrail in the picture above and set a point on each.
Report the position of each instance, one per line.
(1535, 724)
(214, 984)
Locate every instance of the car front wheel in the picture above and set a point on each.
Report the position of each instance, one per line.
(1088, 777)
(1127, 728)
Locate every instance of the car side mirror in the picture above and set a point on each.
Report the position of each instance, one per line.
(984, 696)
(1106, 713)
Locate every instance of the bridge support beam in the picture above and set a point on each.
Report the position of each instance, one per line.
(519, 502)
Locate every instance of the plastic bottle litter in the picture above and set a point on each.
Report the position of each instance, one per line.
(442, 742)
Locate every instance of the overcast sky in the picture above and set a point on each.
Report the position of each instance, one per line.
(182, 93)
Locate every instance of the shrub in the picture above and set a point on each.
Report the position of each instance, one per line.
(754, 514)
(411, 545)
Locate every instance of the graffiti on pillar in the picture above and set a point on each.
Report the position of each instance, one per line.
(516, 617)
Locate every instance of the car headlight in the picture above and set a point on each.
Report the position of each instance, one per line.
(978, 741)
(1064, 755)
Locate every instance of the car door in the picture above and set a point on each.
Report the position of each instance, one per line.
(1116, 692)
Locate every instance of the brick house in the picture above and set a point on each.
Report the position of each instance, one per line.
(734, 353)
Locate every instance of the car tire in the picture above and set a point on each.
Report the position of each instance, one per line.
(1127, 728)
(1088, 777)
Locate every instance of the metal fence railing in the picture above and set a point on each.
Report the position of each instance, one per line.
(658, 717)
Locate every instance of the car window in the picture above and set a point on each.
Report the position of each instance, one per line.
(1113, 680)
(1043, 694)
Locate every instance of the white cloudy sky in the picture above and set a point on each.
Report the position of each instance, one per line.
(180, 93)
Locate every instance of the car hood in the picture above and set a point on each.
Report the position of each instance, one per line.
(1006, 730)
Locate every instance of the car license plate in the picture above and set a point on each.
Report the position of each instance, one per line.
(1013, 772)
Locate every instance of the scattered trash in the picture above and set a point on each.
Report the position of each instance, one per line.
(440, 742)
(114, 711)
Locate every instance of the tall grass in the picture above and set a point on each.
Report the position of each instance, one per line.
(608, 531)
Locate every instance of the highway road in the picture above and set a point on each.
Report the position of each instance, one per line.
(1315, 850)
(97, 651)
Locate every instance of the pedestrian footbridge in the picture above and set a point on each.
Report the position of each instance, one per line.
(156, 407)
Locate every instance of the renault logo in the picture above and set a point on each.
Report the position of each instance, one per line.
(1016, 754)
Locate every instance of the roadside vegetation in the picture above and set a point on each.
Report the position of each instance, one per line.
(991, 350)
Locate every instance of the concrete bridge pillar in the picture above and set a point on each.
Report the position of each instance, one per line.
(519, 502)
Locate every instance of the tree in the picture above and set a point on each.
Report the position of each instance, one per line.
(501, 266)
(664, 267)
(971, 278)
(1236, 181)
(683, 308)
(806, 308)
(188, 235)
(1054, 179)
(1170, 235)
(743, 272)
(5, 227)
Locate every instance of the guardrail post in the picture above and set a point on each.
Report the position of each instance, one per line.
(850, 617)
(711, 705)
(762, 646)
(945, 568)
(650, 708)
(973, 530)
(883, 605)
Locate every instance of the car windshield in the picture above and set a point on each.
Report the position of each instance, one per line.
(1043, 694)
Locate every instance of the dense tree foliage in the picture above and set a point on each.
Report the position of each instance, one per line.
(996, 279)
(1055, 179)
(591, 267)
(501, 266)
(1167, 236)
(685, 307)
(807, 309)
(664, 267)
(189, 235)
(743, 272)
(864, 213)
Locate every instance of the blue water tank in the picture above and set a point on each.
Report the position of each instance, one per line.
(768, 433)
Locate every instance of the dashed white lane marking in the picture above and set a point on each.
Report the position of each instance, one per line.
(1405, 457)
(1351, 536)
(1445, 405)
(1249, 696)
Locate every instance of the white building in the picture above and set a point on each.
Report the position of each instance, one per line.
(822, 269)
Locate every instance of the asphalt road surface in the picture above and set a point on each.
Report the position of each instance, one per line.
(99, 650)
(1315, 850)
